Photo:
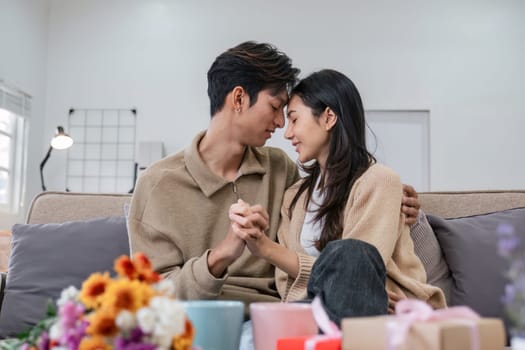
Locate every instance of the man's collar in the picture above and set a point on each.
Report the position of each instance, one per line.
(208, 181)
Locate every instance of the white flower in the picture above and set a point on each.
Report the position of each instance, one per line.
(146, 318)
(68, 294)
(158, 303)
(170, 313)
(56, 331)
(162, 336)
(125, 320)
(165, 287)
(173, 317)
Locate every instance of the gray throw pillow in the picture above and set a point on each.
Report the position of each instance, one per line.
(470, 248)
(426, 247)
(46, 258)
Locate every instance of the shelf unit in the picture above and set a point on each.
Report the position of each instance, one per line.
(102, 158)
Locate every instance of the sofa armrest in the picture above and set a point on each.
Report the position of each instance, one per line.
(3, 277)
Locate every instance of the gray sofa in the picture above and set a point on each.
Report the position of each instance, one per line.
(64, 207)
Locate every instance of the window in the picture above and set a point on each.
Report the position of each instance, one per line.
(14, 108)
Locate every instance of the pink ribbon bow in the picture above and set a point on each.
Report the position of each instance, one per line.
(410, 311)
(330, 329)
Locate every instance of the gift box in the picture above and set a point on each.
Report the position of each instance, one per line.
(449, 334)
(299, 343)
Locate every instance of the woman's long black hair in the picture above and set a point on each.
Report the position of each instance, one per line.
(348, 157)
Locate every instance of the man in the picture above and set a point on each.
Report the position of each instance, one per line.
(179, 211)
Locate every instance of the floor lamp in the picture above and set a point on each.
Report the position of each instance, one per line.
(61, 140)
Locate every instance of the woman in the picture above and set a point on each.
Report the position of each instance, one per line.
(342, 234)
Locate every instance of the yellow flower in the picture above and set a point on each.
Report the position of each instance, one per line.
(93, 343)
(93, 288)
(102, 322)
(184, 341)
(124, 294)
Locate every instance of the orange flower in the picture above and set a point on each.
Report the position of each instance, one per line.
(93, 288)
(185, 340)
(127, 294)
(144, 269)
(125, 267)
(93, 343)
(142, 262)
(102, 323)
(148, 276)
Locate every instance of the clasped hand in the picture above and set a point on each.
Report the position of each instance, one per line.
(249, 223)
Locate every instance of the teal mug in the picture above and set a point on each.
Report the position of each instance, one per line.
(217, 323)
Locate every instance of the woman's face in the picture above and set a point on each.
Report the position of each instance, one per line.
(309, 135)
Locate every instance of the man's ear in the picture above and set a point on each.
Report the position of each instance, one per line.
(237, 98)
(329, 118)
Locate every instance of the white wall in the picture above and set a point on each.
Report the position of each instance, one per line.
(463, 61)
(23, 63)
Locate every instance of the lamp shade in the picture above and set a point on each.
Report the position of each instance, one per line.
(61, 140)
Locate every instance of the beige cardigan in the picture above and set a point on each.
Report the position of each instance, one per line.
(372, 214)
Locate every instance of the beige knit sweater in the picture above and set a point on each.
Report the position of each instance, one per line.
(372, 214)
(179, 211)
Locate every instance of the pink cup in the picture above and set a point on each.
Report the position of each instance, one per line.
(272, 321)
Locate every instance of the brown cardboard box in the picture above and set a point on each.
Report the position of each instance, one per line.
(365, 333)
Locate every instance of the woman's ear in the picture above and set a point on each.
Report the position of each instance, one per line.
(330, 118)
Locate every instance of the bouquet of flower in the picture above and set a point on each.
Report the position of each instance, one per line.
(134, 311)
(512, 246)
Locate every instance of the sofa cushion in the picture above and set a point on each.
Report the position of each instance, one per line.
(470, 248)
(426, 247)
(46, 258)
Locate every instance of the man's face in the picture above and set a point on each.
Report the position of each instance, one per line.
(260, 120)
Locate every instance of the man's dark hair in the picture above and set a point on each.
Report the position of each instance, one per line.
(255, 67)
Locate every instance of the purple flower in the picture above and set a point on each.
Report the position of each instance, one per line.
(508, 242)
(128, 344)
(136, 334)
(511, 245)
(43, 344)
(73, 336)
(133, 341)
(510, 294)
(69, 313)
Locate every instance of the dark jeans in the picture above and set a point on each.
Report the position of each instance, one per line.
(349, 276)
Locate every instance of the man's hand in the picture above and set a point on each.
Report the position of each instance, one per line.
(232, 246)
(249, 217)
(410, 204)
(250, 223)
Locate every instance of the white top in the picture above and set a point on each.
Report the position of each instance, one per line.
(312, 230)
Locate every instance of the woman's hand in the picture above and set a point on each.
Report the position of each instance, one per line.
(250, 223)
(393, 298)
(249, 217)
